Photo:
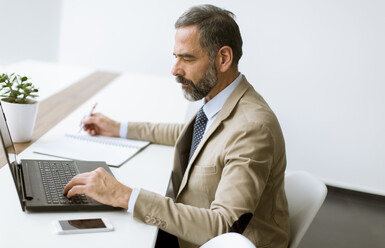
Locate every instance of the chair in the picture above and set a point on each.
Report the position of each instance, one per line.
(305, 195)
(228, 240)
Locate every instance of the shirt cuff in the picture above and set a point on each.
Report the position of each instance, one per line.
(131, 202)
(123, 129)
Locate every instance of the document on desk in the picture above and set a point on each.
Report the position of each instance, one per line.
(114, 151)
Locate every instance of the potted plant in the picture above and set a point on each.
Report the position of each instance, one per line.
(17, 99)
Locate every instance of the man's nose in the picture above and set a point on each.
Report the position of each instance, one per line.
(177, 69)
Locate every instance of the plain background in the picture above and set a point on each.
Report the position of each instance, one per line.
(319, 64)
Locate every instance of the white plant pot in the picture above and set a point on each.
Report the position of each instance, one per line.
(21, 120)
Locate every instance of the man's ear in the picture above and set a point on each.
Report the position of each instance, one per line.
(224, 58)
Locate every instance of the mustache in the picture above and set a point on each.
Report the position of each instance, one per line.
(184, 80)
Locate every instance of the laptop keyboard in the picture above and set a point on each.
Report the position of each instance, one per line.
(55, 175)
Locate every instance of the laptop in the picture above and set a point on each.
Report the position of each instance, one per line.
(40, 183)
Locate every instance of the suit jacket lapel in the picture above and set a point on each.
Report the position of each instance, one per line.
(226, 110)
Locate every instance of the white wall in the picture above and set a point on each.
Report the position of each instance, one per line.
(320, 64)
(29, 30)
(120, 35)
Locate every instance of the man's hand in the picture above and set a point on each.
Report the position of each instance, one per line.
(98, 124)
(100, 186)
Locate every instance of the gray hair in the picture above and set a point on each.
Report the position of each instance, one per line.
(217, 28)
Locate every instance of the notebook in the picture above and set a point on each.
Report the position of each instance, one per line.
(40, 183)
(115, 151)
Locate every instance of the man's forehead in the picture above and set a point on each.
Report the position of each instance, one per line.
(187, 41)
(187, 32)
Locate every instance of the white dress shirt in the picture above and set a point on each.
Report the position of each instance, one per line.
(211, 110)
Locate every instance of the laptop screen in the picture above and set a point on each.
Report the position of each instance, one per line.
(8, 149)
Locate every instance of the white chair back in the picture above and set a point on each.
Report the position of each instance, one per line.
(305, 195)
(228, 240)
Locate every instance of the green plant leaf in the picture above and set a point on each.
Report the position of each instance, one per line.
(16, 88)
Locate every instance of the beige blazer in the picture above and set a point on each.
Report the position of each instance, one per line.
(233, 182)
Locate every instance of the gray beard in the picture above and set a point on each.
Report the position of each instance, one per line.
(204, 86)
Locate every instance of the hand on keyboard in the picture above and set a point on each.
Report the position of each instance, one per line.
(100, 186)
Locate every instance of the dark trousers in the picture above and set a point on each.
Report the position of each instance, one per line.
(166, 240)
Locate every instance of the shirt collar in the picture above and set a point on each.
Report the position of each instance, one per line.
(212, 107)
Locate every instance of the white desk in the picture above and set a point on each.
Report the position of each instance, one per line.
(125, 98)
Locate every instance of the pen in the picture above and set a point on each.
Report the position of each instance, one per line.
(92, 110)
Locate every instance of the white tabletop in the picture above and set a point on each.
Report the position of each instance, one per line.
(137, 98)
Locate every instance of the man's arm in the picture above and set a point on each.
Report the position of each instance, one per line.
(160, 133)
(98, 183)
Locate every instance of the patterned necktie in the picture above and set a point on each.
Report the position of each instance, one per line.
(199, 130)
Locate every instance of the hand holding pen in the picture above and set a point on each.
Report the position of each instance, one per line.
(89, 115)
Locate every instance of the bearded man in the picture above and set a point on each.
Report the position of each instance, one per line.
(230, 159)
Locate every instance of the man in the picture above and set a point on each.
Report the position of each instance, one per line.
(230, 160)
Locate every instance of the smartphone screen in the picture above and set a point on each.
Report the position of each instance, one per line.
(81, 224)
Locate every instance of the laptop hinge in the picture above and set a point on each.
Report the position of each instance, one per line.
(26, 182)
